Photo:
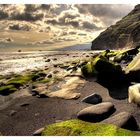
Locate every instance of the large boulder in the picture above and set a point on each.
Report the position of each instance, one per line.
(123, 120)
(92, 99)
(96, 113)
(109, 73)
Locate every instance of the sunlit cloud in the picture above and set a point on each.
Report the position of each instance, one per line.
(63, 22)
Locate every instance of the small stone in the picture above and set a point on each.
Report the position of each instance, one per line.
(96, 113)
(37, 114)
(24, 104)
(38, 132)
(55, 59)
(48, 60)
(56, 71)
(42, 96)
(49, 75)
(92, 99)
(12, 112)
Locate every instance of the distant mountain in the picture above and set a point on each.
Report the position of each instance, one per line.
(124, 34)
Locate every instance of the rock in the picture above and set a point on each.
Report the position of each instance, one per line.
(55, 71)
(24, 104)
(48, 60)
(49, 75)
(35, 92)
(92, 99)
(96, 113)
(124, 120)
(109, 74)
(38, 132)
(37, 114)
(64, 94)
(55, 59)
(41, 95)
(12, 112)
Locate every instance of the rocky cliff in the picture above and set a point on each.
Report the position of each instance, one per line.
(124, 34)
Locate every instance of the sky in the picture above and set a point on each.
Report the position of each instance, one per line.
(62, 22)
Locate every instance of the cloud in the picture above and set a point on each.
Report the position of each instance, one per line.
(82, 34)
(88, 25)
(26, 16)
(107, 13)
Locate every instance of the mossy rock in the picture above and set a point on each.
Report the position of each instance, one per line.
(18, 80)
(81, 128)
(88, 70)
(7, 89)
(107, 66)
(110, 74)
(38, 76)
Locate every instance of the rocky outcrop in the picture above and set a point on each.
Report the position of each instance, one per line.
(125, 33)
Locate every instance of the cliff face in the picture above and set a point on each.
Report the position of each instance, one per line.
(125, 33)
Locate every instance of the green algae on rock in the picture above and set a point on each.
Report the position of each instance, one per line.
(81, 128)
(7, 89)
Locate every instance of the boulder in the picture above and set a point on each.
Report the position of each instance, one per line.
(96, 113)
(109, 74)
(123, 120)
(92, 99)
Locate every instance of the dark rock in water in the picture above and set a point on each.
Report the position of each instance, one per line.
(54, 59)
(96, 113)
(12, 112)
(125, 33)
(38, 132)
(48, 60)
(93, 99)
(24, 104)
(124, 120)
(49, 75)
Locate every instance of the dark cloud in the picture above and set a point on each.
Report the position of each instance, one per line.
(88, 25)
(45, 6)
(52, 21)
(31, 7)
(26, 16)
(72, 33)
(61, 23)
(106, 12)
(82, 34)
